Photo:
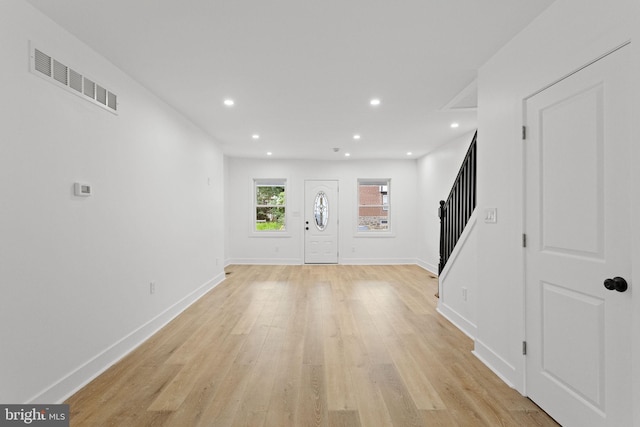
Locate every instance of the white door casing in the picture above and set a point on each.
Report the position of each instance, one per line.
(578, 362)
(321, 222)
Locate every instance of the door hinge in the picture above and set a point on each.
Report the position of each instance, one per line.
(524, 348)
(524, 132)
(524, 240)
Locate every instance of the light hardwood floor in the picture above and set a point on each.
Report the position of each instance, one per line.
(307, 346)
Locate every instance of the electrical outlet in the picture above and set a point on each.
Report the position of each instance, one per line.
(464, 294)
(152, 288)
(353, 249)
(277, 249)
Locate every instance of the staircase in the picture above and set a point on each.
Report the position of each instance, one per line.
(455, 212)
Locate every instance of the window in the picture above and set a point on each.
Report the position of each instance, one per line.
(373, 205)
(270, 205)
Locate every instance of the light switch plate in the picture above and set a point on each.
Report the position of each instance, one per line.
(491, 215)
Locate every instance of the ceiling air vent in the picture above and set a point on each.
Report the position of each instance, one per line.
(89, 88)
(42, 63)
(75, 80)
(101, 95)
(112, 100)
(60, 72)
(65, 77)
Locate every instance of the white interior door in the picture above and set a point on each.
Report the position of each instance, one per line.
(578, 363)
(321, 222)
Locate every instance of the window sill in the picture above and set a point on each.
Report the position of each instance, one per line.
(271, 234)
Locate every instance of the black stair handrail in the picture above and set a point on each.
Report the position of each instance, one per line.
(455, 212)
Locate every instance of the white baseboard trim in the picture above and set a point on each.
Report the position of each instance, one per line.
(377, 261)
(265, 261)
(431, 268)
(504, 370)
(343, 261)
(468, 328)
(81, 376)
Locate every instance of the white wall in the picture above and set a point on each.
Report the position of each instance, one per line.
(436, 173)
(565, 37)
(243, 247)
(75, 272)
(459, 281)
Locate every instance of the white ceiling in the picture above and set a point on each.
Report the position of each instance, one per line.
(302, 72)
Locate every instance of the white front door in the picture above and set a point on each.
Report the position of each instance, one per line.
(578, 362)
(321, 222)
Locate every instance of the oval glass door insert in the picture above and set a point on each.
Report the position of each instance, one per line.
(321, 210)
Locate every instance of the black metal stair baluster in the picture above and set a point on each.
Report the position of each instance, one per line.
(456, 210)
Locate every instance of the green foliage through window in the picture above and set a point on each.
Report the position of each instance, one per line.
(270, 207)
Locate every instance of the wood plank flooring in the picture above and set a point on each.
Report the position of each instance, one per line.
(307, 346)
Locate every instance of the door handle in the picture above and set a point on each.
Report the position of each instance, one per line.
(306, 228)
(617, 284)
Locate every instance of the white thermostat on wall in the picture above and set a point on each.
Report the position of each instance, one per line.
(81, 189)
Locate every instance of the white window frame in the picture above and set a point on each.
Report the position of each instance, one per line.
(268, 182)
(381, 182)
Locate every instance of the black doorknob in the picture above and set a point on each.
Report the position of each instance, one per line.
(617, 284)
(306, 228)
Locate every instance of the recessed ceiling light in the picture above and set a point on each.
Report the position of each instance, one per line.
(454, 125)
(229, 102)
(255, 136)
(409, 153)
(269, 153)
(375, 102)
(356, 136)
(347, 154)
